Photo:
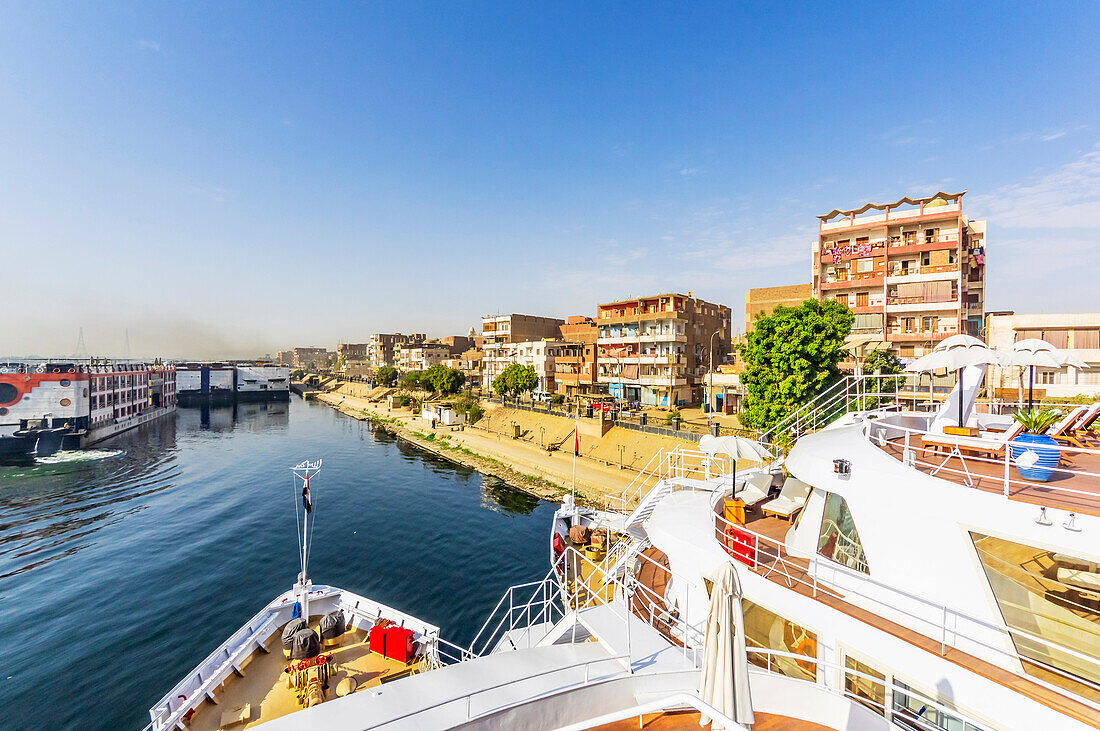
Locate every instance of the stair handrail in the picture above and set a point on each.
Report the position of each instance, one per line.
(631, 491)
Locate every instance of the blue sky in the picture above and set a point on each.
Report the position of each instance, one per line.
(231, 179)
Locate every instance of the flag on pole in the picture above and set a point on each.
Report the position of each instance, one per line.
(307, 501)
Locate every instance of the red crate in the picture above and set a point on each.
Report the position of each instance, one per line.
(378, 639)
(741, 545)
(399, 644)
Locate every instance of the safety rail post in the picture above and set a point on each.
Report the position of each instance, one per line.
(1008, 450)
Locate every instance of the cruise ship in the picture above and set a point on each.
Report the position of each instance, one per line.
(50, 405)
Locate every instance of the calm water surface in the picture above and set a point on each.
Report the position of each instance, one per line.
(122, 567)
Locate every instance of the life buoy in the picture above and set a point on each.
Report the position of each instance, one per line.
(807, 647)
(72, 370)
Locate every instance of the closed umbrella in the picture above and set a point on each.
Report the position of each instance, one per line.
(1035, 352)
(725, 678)
(735, 448)
(954, 354)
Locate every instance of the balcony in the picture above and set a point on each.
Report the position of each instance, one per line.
(869, 279)
(924, 273)
(650, 338)
(917, 336)
(651, 314)
(658, 381)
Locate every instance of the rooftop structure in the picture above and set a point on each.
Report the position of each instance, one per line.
(499, 331)
(1077, 333)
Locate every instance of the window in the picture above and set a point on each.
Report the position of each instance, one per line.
(925, 258)
(929, 323)
(909, 237)
(1046, 594)
(1086, 339)
(911, 711)
(865, 691)
(865, 265)
(930, 235)
(766, 629)
(1045, 377)
(838, 540)
(862, 299)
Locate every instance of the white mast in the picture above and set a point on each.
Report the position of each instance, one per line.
(304, 471)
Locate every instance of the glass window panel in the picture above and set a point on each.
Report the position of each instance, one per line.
(838, 540)
(764, 628)
(867, 692)
(1052, 596)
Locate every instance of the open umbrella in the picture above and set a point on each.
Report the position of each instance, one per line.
(954, 354)
(725, 677)
(1035, 352)
(735, 448)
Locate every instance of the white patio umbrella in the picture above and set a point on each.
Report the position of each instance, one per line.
(725, 677)
(1035, 352)
(954, 354)
(735, 448)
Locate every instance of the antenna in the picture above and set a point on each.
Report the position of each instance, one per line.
(81, 348)
(304, 472)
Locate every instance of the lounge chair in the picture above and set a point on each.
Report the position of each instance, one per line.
(1080, 431)
(791, 499)
(1061, 428)
(755, 488)
(991, 443)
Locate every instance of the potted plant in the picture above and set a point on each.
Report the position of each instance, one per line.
(1035, 422)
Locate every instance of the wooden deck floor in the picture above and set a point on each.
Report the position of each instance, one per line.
(796, 578)
(1067, 488)
(685, 721)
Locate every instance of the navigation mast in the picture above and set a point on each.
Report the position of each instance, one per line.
(304, 472)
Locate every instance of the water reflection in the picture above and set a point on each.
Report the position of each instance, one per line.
(251, 416)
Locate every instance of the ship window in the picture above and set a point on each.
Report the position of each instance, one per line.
(1050, 598)
(864, 690)
(8, 393)
(766, 629)
(838, 540)
(913, 712)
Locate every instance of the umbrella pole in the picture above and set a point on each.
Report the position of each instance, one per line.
(1030, 383)
(960, 398)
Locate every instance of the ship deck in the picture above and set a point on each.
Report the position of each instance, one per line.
(685, 721)
(260, 693)
(1073, 486)
(774, 563)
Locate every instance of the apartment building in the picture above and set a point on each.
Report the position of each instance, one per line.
(310, 357)
(541, 356)
(352, 351)
(1078, 334)
(469, 362)
(381, 345)
(498, 332)
(575, 367)
(912, 271)
(655, 350)
(412, 357)
(762, 300)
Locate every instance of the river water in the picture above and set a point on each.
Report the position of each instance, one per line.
(123, 566)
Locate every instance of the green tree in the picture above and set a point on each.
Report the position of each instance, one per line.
(411, 381)
(882, 361)
(516, 379)
(386, 375)
(443, 379)
(790, 356)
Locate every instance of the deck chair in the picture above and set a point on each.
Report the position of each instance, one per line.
(755, 488)
(1061, 428)
(1079, 433)
(791, 499)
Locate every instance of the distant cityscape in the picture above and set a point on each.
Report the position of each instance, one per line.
(912, 271)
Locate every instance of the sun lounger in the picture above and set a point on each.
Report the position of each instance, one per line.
(991, 443)
(791, 499)
(755, 488)
(1080, 432)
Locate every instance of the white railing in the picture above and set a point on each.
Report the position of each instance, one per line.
(645, 479)
(936, 621)
(824, 670)
(851, 393)
(911, 440)
(521, 608)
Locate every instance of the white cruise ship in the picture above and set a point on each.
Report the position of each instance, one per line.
(869, 585)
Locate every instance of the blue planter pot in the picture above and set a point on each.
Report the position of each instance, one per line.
(1042, 445)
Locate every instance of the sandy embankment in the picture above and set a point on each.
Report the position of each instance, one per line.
(489, 448)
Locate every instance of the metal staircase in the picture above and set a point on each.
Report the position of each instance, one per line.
(851, 393)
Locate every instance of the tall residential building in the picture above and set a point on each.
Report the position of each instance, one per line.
(762, 300)
(352, 351)
(540, 355)
(419, 356)
(1077, 333)
(499, 331)
(310, 357)
(575, 366)
(655, 350)
(913, 271)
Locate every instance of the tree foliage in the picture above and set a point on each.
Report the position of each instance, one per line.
(516, 379)
(410, 381)
(882, 361)
(386, 375)
(443, 379)
(790, 356)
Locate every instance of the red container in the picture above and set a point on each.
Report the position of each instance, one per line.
(399, 644)
(378, 639)
(741, 545)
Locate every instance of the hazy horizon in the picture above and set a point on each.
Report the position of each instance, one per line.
(234, 180)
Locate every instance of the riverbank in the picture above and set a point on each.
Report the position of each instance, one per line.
(521, 464)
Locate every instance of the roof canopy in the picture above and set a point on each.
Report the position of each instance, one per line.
(952, 197)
